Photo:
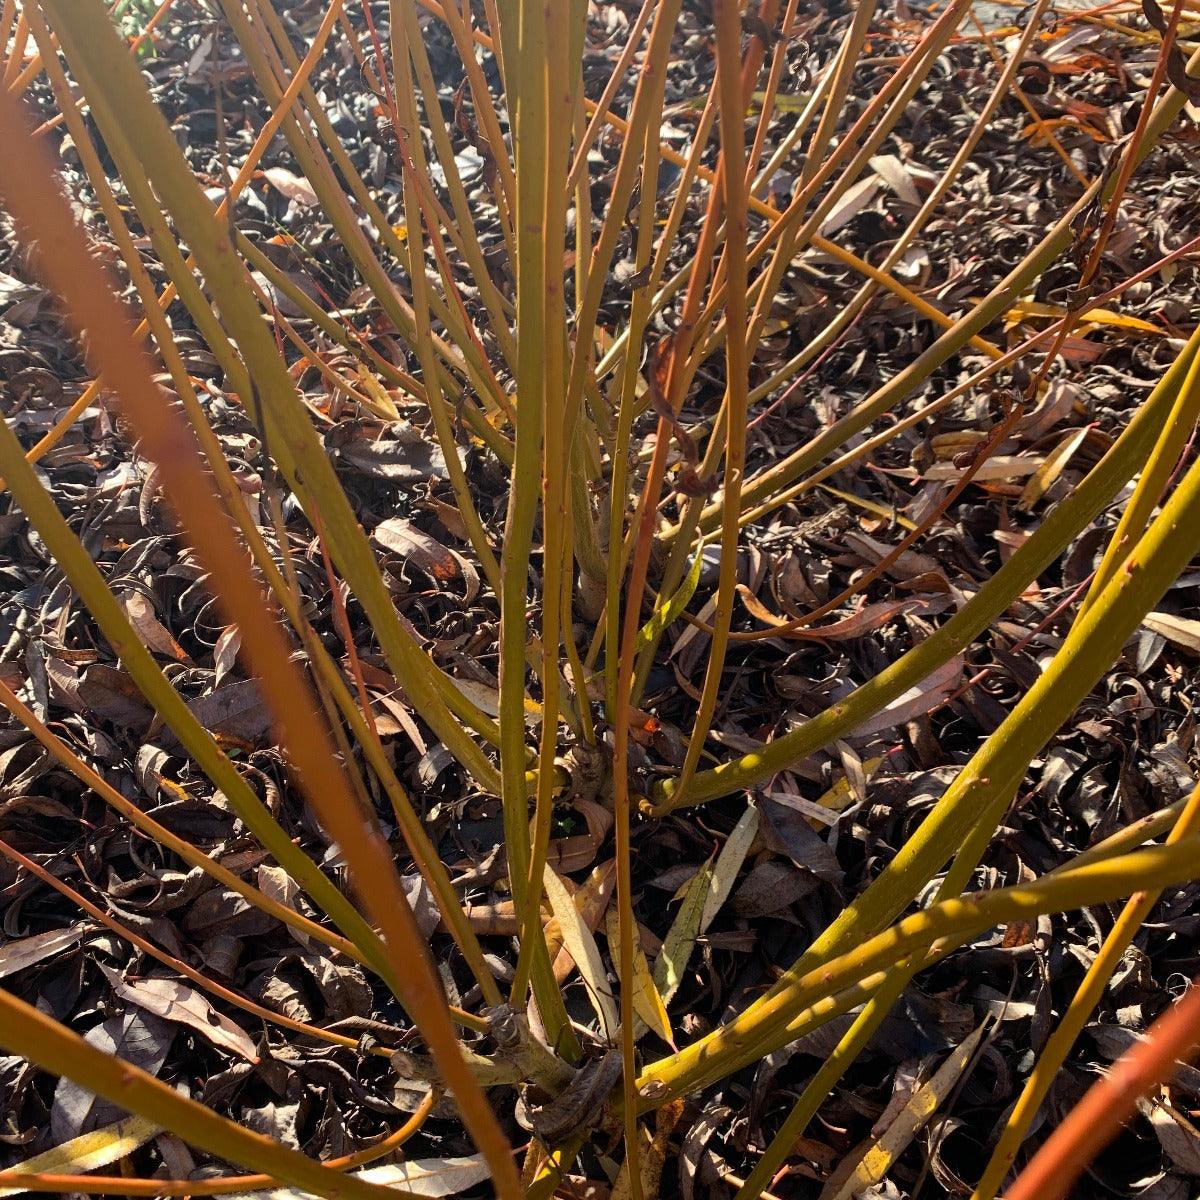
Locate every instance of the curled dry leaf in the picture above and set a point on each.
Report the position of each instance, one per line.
(651, 1155)
(910, 564)
(713, 1118)
(869, 618)
(1052, 467)
(855, 198)
(729, 863)
(677, 946)
(150, 629)
(920, 699)
(175, 1001)
(591, 898)
(235, 711)
(1178, 1136)
(647, 1003)
(26, 952)
(110, 694)
(999, 466)
(573, 853)
(770, 888)
(295, 187)
(440, 563)
(138, 1038)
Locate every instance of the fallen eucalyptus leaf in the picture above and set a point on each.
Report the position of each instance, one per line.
(87, 1152)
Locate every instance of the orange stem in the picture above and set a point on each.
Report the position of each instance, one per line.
(1098, 1117)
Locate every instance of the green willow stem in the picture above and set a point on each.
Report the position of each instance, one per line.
(164, 837)
(733, 171)
(855, 1039)
(790, 240)
(528, 47)
(462, 227)
(647, 103)
(465, 355)
(459, 24)
(1083, 1004)
(885, 996)
(412, 166)
(1089, 649)
(786, 235)
(770, 483)
(421, 848)
(267, 48)
(93, 590)
(31, 1034)
(1147, 1064)
(914, 942)
(928, 210)
(451, 359)
(43, 215)
(561, 85)
(896, 94)
(843, 74)
(629, 379)
(1176, 431)
(95, 51)
(1060, 526)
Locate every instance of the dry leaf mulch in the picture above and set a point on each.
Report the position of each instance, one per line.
(824, 827)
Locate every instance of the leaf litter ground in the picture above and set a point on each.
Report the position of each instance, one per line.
(821, 830)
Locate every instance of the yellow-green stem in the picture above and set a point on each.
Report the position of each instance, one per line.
(733, 171)
(1090, 648)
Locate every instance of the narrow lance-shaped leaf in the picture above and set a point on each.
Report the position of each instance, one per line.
(87, 1151)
